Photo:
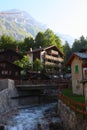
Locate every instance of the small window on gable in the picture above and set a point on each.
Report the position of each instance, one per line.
(76, 69)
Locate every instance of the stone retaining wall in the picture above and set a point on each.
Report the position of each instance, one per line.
(69, 118)
(6, 103)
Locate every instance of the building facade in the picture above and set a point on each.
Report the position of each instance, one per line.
(7, 68)
(48, 56)
(78, 63)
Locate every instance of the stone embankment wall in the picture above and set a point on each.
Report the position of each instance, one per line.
(69, 118)
(7, 90)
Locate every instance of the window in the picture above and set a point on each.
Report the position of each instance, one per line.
(4, 72)
(16, 73)
(76, 69)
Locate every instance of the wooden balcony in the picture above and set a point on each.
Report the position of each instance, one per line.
(51, 63)
(52, 58)
(54, 52)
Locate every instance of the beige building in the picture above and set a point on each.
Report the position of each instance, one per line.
(78, 63)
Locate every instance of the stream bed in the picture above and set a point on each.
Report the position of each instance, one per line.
(41, 117)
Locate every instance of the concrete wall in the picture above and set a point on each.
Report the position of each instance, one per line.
(8, 90)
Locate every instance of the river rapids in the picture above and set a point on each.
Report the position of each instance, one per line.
(41, 117)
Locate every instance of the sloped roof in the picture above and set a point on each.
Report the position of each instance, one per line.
(11, 65)
(82, 56)
(53, 46)
(84, 50)
(12, 53)
(46, 48)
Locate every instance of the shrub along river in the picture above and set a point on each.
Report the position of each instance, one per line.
(41, 117)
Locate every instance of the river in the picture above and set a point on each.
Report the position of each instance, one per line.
(39, 117)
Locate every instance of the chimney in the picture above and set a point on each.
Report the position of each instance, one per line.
(16, 48)
(30, 49)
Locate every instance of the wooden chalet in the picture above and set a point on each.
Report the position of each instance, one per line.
(48, 56)
(7, 68)
(10, 55)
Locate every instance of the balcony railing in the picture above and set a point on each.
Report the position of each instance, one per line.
(51, 63)
(52, 58)
(54, 52)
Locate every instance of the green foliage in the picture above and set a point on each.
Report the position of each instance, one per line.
(37, 65)
(48, 38)
(49, 69)
(51, 39)
(7, 42)
(24, 63)
(26, 44)
(79, 44)
(39, 40)
(67, 52)
(42, 39)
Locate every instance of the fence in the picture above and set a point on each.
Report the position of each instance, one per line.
(76, 106)
(61, 81)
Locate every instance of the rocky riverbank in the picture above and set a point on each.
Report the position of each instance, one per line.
(69, 118)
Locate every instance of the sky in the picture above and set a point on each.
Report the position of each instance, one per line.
(63, 16)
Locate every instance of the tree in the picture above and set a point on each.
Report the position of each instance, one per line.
(39, 40)
(67, 54)
(25, 64)
(37, 65)
(5, 39)
(28, 43)
(79, 44)
(49, 69)
(76, 46)
(49, 38)
(58, 43)
(7, 42)
(52, 39)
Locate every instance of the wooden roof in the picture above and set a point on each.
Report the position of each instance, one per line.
(10, 54)
(82, 56)
(83, 50)
(46, 48)
(16, 67)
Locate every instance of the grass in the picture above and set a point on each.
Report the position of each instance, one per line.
(68, 92)
(77, 98)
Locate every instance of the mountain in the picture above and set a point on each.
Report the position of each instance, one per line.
(19, 25)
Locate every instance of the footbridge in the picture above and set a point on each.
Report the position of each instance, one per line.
(40, 87)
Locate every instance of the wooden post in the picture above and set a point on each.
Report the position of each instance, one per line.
(51, 126)
(39, 126)
(2, 127)
(39, 99)
(83, 114)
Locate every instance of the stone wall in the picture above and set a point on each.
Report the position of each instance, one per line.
(8, 90)
(70, 119)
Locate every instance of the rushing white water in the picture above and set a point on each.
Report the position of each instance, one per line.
(29, 118)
